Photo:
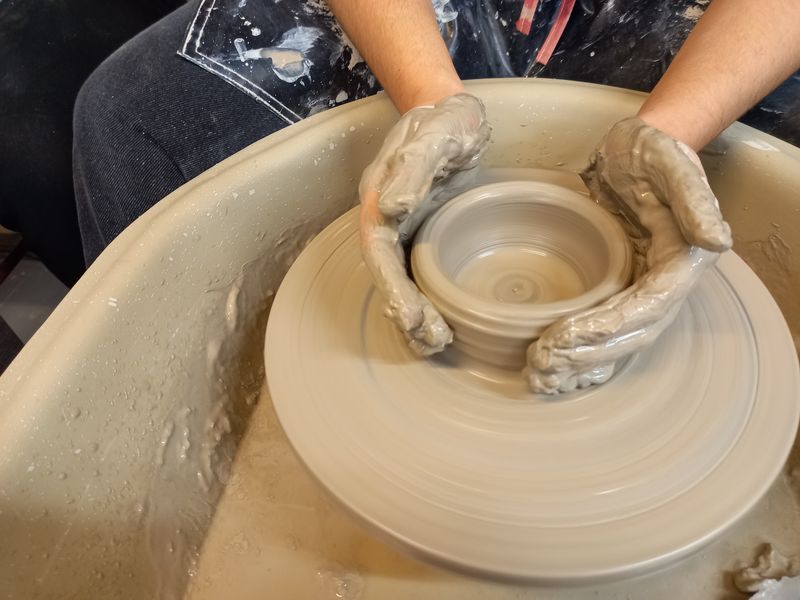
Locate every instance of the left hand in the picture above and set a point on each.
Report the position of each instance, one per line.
(658, 187)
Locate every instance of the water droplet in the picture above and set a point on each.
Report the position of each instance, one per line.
(341, 583)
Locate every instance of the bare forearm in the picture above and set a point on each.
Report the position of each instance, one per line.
(739, 51)
(400, 41)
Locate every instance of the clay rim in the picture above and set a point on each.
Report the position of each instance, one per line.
(477, 312)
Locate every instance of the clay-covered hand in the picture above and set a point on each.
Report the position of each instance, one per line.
(659, 189)
(425, 160)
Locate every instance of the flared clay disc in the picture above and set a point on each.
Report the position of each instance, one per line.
(466, 468)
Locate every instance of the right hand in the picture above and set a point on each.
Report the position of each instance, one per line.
(424, 162)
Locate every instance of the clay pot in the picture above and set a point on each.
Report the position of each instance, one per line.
(503, 261)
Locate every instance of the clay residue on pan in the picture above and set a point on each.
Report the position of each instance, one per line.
(770, 564)
(776, 263)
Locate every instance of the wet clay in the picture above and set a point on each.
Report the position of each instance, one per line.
(658, 188)
(770, 564)
(654, 183)
(436, 453)
(503, 261)
(276, 532)
(425, 160)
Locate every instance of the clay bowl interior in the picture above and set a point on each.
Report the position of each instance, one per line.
(503, 261)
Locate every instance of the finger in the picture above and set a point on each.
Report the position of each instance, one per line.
(458, 182)
(554, 358)
(567, 381)
(411, 174)
(624, 324)
(678, 180)
(425, 329)
(430, 156)
(694, 205)
(624, 313)
(451, 137)
(432, 335)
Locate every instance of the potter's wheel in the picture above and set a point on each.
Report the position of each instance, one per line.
(465, 467)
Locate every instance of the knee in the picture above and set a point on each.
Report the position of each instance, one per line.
(98, 106)
(105, 139)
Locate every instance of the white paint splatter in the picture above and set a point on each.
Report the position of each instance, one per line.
(288, 56)
(444, 11)
(255, 31)
(693, 13)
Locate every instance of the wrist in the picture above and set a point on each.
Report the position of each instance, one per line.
(672, 126)
(693, 121)
(428, 94)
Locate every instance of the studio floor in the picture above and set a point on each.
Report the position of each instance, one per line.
(28, 294)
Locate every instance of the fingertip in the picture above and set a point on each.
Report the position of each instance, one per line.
(436, 332)
(421, 348)
(540, 355)
(714, 238)
(540, 382)
(430, 338)
(725, 237)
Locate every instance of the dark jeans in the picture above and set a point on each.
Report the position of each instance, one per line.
(146, 122)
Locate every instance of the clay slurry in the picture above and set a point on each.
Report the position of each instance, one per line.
(520, 275)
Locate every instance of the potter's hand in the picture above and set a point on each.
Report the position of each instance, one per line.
(425, 160)
(658, 186)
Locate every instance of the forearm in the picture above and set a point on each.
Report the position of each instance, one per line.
(400, 41)
(738, 52)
